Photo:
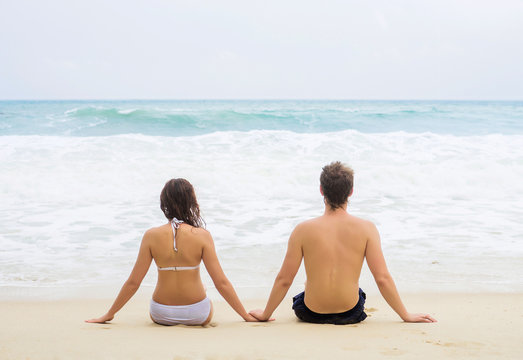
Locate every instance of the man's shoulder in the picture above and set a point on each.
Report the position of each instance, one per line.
(308, 223)
(361, 221)
(303, 228)
(365, 226)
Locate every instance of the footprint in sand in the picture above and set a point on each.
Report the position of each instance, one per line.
(469, 344)
(437, 342)
(393, 351)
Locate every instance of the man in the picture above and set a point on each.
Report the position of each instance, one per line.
(333, 247)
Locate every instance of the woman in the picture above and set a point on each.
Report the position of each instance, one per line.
(177, 248)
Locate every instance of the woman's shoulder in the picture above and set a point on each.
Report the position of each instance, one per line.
(195, 231)
(156, 231)
(196, 235)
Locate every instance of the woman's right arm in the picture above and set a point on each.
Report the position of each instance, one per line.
(386, 285)
(223, 285)
(129, 288)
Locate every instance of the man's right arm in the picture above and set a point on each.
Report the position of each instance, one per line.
(386, 285)
(283, 281)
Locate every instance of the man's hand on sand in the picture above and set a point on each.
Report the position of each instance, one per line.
(251, 318)
(419, 318)
(258, 314)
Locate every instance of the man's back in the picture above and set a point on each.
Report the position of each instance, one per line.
(333, 248)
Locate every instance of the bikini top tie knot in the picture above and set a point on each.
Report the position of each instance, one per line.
(175, 223)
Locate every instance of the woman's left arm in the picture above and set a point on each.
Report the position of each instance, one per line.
(132, 284)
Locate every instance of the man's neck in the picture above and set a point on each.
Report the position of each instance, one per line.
(330, 211)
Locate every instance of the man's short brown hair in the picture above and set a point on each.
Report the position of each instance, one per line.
(336, 182)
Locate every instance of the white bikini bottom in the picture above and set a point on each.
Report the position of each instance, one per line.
(193, 314)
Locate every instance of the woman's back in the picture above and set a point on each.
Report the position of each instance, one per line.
(177, 286)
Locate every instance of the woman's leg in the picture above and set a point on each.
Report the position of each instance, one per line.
(209, 318)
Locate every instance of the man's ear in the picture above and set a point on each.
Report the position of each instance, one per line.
(351, 191)
(321, 191)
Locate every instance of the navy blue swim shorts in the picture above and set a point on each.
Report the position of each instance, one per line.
(352, 316)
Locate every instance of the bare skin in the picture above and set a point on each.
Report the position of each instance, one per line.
(333, 247)
(177, 287)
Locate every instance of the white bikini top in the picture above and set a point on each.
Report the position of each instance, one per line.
(175, 224)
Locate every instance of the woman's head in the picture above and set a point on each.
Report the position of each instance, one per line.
(336, 184)
(178, 200)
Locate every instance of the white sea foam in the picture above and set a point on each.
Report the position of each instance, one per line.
(73, 209)
(127, 111)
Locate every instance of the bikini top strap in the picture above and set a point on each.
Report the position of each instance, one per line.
(175, 224)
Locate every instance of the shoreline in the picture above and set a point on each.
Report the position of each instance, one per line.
(473, 325)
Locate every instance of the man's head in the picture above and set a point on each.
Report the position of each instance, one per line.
(336, 182)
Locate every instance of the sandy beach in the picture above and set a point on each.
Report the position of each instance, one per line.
(478, 326)
(103, 102)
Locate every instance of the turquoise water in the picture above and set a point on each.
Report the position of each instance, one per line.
(186, 118)
(80, 183)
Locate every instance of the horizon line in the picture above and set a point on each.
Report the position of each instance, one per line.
(255, 99)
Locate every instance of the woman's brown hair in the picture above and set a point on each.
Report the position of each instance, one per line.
(178, 200)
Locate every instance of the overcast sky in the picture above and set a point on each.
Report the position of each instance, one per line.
(285, 49)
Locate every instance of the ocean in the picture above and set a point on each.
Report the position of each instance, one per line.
(80, 183)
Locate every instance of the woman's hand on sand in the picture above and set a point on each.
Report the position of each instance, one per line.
(419, 318)
(258, 314)
(101, 320)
